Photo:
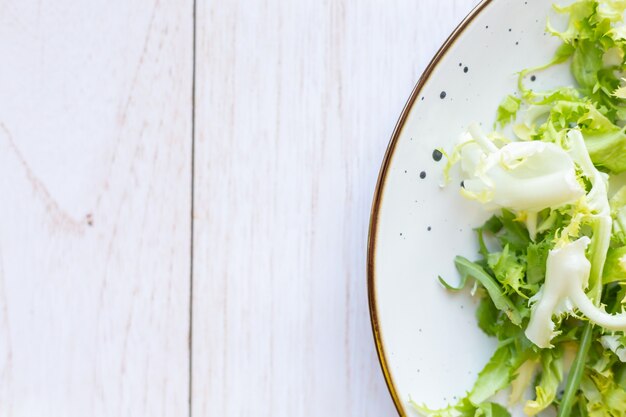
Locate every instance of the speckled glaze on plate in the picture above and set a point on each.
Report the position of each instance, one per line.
(429, 345)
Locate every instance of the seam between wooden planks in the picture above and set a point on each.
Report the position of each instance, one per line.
(193, 176)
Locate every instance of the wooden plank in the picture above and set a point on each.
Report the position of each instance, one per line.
(295, 103)
(95, 174)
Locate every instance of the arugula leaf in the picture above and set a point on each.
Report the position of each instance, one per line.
(514, 232)
(620, 375)
(487, 316)
(467, 269)
(536, 257)
(492, 226)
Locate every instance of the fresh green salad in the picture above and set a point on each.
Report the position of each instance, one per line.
(551, 269)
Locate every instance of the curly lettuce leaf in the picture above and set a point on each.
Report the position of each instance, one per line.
(603, 396)
(495, 376)
(595, 39)
(551, 377)
(464, 409)
(509, 270)
(507, 110)
(608, 149)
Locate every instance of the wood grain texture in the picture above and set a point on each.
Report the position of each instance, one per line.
(295, 103)
(95, 174)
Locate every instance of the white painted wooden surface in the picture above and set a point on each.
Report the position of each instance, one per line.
(95, 176)
(295, 102)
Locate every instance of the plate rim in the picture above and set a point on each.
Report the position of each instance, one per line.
(379, 192)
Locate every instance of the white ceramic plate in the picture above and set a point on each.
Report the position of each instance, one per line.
(428, 342)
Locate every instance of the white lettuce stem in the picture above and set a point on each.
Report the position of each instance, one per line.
(595, 314)
(598, 201)
(567, 271)
(481, 138)
(567, 275)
